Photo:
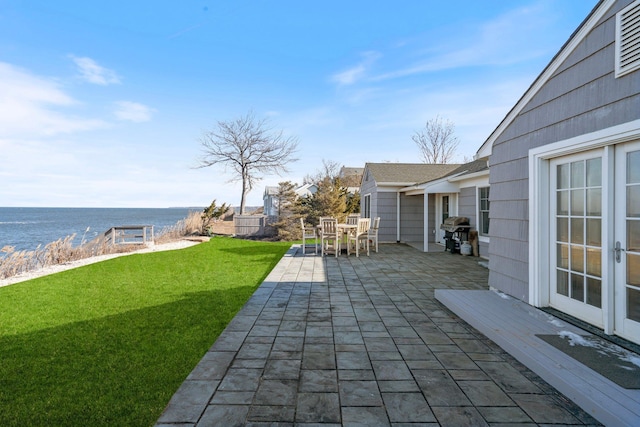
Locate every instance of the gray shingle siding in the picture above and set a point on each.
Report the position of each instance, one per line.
(411, 218)
(467, 205)
(387, 211)
(581, 97)
(508, 284)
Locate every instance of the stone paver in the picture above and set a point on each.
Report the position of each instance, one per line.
(363, 342)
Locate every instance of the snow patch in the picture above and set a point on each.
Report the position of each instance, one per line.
(501, 294)
(604, 348)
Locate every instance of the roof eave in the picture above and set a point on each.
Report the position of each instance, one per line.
(473, 175)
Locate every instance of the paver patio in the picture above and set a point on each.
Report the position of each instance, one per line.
(363, 342)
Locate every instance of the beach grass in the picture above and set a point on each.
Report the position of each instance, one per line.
(109, 343)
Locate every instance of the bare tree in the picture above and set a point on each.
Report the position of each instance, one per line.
(436, 141)
(250, 147)
(330, 168)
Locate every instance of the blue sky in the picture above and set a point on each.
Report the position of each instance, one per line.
(102, 104)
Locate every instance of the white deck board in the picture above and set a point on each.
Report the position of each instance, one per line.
(513, 324)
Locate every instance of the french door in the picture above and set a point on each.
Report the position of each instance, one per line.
(627, 241)
(444, 210)
(595, 237)
(577, 249)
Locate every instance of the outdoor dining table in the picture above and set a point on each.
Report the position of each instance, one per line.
(346, 229)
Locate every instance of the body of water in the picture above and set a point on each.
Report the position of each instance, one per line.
(26, 228)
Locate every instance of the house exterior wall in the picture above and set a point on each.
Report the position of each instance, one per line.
(386, 209)
(383, 205)
(468, 206)
(411, 218)
(582, 96)
(269, 207)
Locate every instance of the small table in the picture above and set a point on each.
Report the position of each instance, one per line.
(345, 228)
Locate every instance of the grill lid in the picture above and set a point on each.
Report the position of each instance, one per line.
(455, 223)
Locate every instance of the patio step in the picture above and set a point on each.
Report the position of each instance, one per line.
(513, 325)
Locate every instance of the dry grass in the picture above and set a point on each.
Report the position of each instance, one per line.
(189, 226)
(62, 251)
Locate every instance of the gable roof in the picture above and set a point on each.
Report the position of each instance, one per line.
(407, 173)
(470, 168)
(348, 170)
(570, 45)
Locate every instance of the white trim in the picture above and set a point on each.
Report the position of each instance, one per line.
(397, 216)
(482, 237)
(539, 212)
(608, 236)
(396, 184)
(478, 182)
(470, 176)
(362, 202)
(487, 147)
(388, 189)
(425, 222)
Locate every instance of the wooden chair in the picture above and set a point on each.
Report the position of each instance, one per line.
(359, 236)
(372, 235)
(352, 219)
(330, 235)
(308, 233)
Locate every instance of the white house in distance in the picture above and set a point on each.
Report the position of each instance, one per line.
(270, 199)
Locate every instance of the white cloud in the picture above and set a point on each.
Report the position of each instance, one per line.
(91, 72)
(505, 40)
(29, 103)
(356, 73)
(133, 111)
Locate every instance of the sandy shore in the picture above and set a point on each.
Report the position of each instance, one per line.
(79, 263)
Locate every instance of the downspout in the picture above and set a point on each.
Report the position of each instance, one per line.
(397, 217)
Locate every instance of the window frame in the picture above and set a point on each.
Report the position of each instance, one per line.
(365, 209)
(484, 236)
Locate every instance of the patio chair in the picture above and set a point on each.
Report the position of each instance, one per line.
(359, 236)
(352, 219)
(330, 235)
(308, 233)
(373, 232)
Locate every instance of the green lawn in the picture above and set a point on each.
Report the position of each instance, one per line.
(109, 343)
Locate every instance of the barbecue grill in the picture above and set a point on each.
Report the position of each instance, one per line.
(456, 229)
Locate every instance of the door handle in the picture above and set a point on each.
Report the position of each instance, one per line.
(618, 250)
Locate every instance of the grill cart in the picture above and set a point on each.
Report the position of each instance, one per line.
(456, 231)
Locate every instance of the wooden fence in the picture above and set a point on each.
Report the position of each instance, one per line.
(129, 235)
(254, 225)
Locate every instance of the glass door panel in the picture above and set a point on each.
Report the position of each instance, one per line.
(628, 241)
(576, 254)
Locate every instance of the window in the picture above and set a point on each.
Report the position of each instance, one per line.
(628, 39)
(483, 211)
(366, 206)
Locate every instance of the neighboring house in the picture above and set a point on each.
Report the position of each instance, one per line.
(270, 200)
(565, 179)
(306, 190)
(270, 197)
(382, 195)
(351, 177)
